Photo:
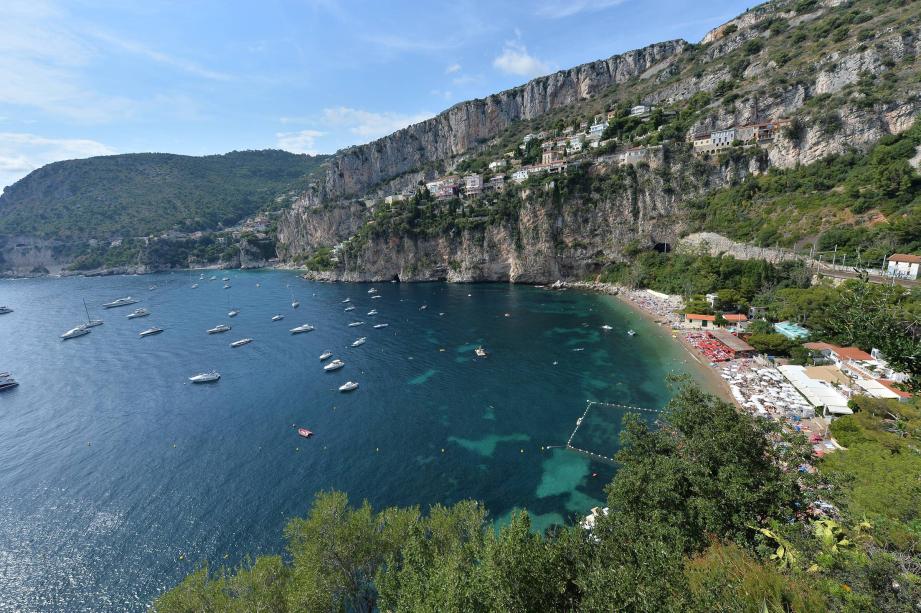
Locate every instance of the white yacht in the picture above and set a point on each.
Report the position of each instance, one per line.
(120, 302)
(241, 342)
(5, 309)
(142, 312)
(372, 312)
(356, 323)
(326, 355)
(150, 331)
(348, 386)
(194, 285)
(376, 296)
(480, 352)
(7, 381)
(225, 279)
(277, 317)
(295, 304)
(233, 312)
(334, 365)
(218, 329)
(349, 308)
(301, 328)
(90, 322)
(359, 342)
(346, 300)
(631, 332)
(372, 291)
(379, 326)
(75, 332)
(423, 307)
(213, 278)
(607, 327)
(227, 286)
(205, 377)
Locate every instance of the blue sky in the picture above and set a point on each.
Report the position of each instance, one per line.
(91, 77)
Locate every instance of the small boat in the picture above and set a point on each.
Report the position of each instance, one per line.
(194, 285)
(7, 381)
(376, 296)
(326, 355)
(301, 328)
(349, 308)
(218, 329)
(480, 352)
(241, 342)
(356, 323)
(142, 312)
(150, 331)
(80, 330)
(423, 307)
(372, 312)
(227, 286)
(348, 386)
(5, 309)
(334, 365)
(205, 377)
(225, 279)
(346, 300)
(213, 278)
(120, 302)
(372, 291)
(631, 332)
(358, 342)
(152, 287)
(277, 317)
(607, 327)
(304, 432)
(90, 323)
(295, 304)
(379, 326)
(233, 312)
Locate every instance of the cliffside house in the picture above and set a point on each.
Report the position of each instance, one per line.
(695, 320)
(903, 265)
(550, 156)
(596, 130)
(473, 185)
(444, 188)
(521, 175)
(641, 110)
(498, 165)
(496, 184)
(752, 133)
(394, 198)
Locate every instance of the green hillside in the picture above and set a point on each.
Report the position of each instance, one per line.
(149, 193)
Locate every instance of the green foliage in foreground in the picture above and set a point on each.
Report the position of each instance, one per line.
(680, 537)
(148, 193)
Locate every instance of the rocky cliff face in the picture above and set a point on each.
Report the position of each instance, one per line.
(354, 171)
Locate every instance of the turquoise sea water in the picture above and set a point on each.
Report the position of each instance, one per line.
(118, 477)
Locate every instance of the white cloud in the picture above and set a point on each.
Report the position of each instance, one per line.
(21, 153)
(453, 68)
(367, 124)
(159, 57)
(557, 9)
(446, 93)
(516, 60)
(303, 141)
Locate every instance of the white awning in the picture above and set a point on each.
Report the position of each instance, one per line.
(818, 393)
(877, 389)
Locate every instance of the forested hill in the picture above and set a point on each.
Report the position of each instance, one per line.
(142, 194)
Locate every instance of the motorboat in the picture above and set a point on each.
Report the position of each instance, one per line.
(302, 328)
(151, 288)
(423, 307)
(304, 432)
(356, 323)
(372, 312)
(631, 332)
(218, 329)
(334, 365)
(376, 296)
(326, 355)
(225, 279)
(358, 342)
(349, 308)
(346, 300)
(142, 312)
(241, 342)
(5, 309)
(227, 286)
(607, 327)
(194, 285)
(120, 302)
(379, 326)
(80, 330)
(480, 352)
(7, 381)
(295, 304)
(277, 317)
(348, 386)
(233, 312)
(205, 377)
(372, 291)
(150, 331)
(213, 278)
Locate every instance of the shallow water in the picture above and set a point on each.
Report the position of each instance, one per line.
(117, 476)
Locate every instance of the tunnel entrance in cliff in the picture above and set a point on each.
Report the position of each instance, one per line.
(664, 247)
(395, 279)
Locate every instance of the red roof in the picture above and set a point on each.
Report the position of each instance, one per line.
(905, 257)
(819, 346)
(889, 386)
(694, 317)
(847, 353)
(735, 316)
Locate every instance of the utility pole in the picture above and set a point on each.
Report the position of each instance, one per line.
(834, 256)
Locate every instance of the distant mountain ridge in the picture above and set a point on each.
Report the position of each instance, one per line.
(141, 194)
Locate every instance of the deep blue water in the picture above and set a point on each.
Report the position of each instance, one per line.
(117, 477)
